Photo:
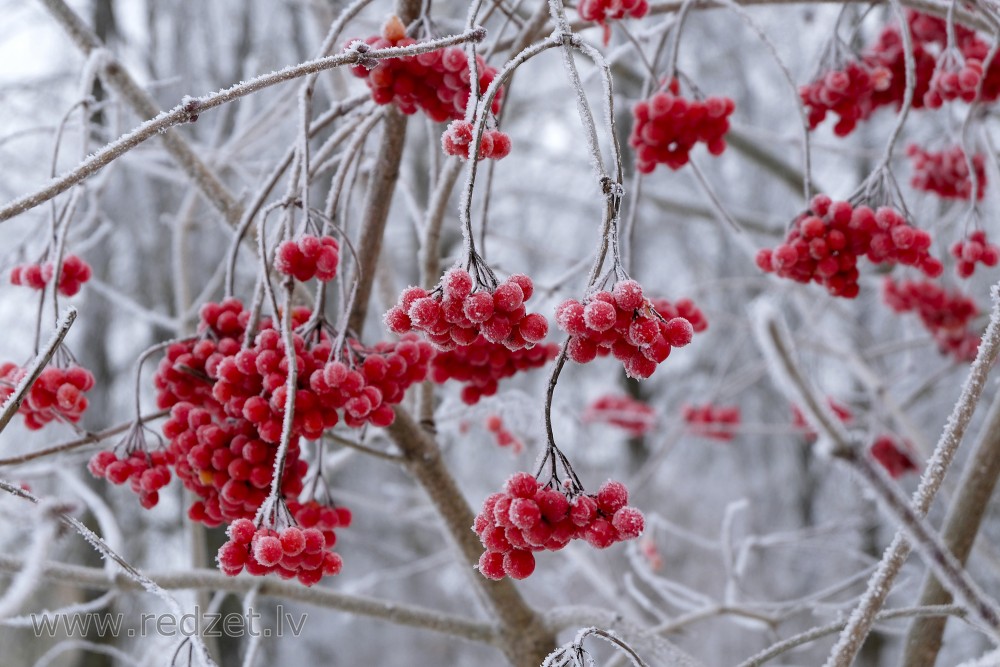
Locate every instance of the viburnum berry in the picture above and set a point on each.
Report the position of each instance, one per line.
(57, 394)
(712, 421)
(602, 11)
(309, 257)
(847, 92)
(436, 82)
(146, 471)
(895, 456)
(504, 438)
(634, 417)
(946, 172)
(640, 337)
(73, 274)
(528, 516)
(824, 244)
(481, 365)
(668, 126)
(457, 140)
(974, 249)
(451, 318)
(946, 315)
(953, 79)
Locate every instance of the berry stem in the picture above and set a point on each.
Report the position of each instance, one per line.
(13, 402)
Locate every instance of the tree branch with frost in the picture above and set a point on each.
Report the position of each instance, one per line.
(393, 612)
(14, 401)
(189, 109)
(573, 653)
(861, 620)
(774, 339)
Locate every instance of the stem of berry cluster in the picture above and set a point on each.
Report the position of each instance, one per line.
(13, 402)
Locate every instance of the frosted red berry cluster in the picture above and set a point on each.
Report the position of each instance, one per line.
(457, 140)
(895, 456)
(847, 92)
(503, 436)
(225, 464)
(57, 394)
(528, 516)
(681, 308)
(308, 257)
(946, 315)
(602, 11)
(436, 82)
(622, 323)
(946, 172)
(453, 315)
(712, 421)
(291, 552)
(953, 81)
(481, 365)
(824, 245)
(667, 126)
(146, 472)
(974, 249)
(878, 77)
(75, 272)
(842, 412)
(632, 416)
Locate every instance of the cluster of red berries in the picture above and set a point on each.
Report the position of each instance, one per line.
(146, 472)
(625, 324)
(436, 82)
(972, 250)
(848, 93)
(632, 416)
(602, 11)
(225, 464)
(712, 421)
(878, 77)
(57, 394)
(896, 457)
(824, 245)
(504, 438)
(946, 173)
(308, 257)
(481, 364)
(667, 126)
(946, 315)
(842, 412)
(529, 516)
(457, 140)
(452, 315)
(952, 81)
(74, 273)
(292, 552)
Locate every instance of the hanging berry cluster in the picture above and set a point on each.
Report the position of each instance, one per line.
(946, 172)
(146, 471)
(602, 11)
(632, 416)
(529, 516)
(453, 315)
(685, 308)
(974, 249)
(481, 364)
(667, 126)
(824, 245)
(712, 421)
(436, 82)
(308, 257)
(877, 77)
(895, 456)
(504, 437)
(842, 412)
(57, 394)
(946, 315)
(622, 323)
(291, 552)
(74, 273)
(457, 140)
